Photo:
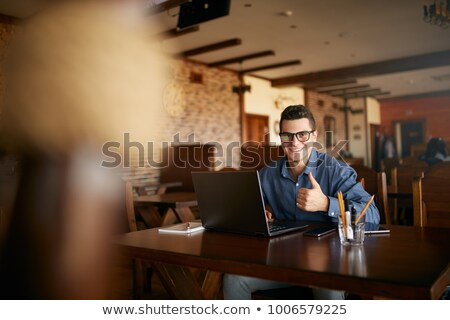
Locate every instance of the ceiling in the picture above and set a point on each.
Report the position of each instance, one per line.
(374, 47)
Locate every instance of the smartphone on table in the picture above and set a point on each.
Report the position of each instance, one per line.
(320, 231)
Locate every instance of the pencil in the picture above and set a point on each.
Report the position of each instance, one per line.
(364, 209)
(342, 208)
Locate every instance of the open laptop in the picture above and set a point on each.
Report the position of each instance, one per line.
(232, 201)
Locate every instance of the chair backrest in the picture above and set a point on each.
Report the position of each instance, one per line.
(255, 155)
(403, 175)
(418, 149)
(129, 202)
(225, 169)
(179, 161)
(387, 164)
(431, 197)
(413, 161)
(375, 183)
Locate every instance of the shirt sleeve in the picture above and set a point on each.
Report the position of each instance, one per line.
(344, 179)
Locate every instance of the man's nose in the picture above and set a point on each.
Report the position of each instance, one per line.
(295, 141)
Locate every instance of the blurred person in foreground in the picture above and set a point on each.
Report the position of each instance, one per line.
(80, 73)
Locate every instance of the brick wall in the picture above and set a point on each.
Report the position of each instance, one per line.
(434, 110)
(211, 109)
(323, 105)
(210, 113)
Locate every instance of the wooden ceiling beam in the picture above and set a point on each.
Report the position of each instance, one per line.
(430, 60)
(372, 93)
(328, 84)
(343, 90)
(272, 66)
(432, 94)
(242, 58)
(211, 47)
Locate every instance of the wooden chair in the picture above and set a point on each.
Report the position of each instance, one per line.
(225, 169)
(210, 281)
(431, 197)
(180, 160)
(254, 156)
(141, 270)
(401, 190)
(375, 183)
(413, 161)
(387, 165)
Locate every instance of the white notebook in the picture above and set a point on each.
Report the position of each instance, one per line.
(183, 228)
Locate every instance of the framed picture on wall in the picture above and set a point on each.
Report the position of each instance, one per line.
(329, 124)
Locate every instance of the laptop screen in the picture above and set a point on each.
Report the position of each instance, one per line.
(231, 201)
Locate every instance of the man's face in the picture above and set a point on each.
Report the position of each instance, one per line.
(295, 149)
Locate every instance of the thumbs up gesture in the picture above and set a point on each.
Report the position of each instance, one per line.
(312, 199)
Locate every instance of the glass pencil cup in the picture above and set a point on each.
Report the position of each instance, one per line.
(351, 232)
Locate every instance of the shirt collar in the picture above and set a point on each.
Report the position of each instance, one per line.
(311, 167)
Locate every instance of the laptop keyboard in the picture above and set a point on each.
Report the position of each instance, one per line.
(281, 225)
(275, 228)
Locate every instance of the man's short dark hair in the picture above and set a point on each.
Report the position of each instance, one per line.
(298, 112)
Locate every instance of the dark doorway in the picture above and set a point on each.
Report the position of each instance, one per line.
(411, 132)
(375, 144)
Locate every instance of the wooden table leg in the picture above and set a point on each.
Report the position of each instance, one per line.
(150, 216)
(212, 285)
(169, 217)
(181, 283)
(153, 218)
(184, 214)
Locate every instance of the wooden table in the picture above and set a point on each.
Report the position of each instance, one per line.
(410, 263)
(167, 208)
(159, 187)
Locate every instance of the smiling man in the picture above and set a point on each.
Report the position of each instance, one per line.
(303, 185)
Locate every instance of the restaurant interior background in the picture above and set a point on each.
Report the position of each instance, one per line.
(363, 68)
(366, 69)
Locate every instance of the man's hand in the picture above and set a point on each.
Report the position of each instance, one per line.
(269, 213)
(312, 199)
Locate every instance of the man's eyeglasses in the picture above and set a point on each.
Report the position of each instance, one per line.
(302, 136)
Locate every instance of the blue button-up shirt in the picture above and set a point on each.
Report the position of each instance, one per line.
(280, 190)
